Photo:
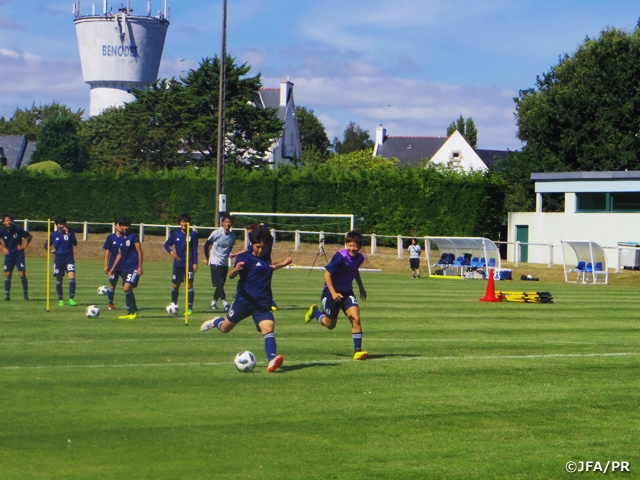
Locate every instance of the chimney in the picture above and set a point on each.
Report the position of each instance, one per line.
(286, 89)
(381, 135)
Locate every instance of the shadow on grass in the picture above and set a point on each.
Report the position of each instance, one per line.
(373, 356)
(291, 368)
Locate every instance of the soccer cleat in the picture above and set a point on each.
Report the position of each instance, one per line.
(7, 299)
(226, 306)
(275, 364)
(112, 306)
(360, 356)
(274, 308)
(26, 298)
(61, 303)
(208, 325)
(72, 302)
(213, 306)
(131, 316)
(309, 316)
(189, 312)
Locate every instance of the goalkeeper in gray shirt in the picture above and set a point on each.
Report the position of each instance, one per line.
(216, 253)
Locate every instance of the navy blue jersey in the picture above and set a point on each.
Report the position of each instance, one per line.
(254, 285)
(343, 269)
(178, 239)
(12, 238)
(129, 255)
(112, 244)
(63, 245)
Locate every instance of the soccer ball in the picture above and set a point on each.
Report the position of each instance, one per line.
(92, 311)
(173, 309)
(245, 361)
(102, 290)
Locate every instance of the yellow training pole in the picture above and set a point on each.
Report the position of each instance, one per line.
(186, 290)
(48, 259)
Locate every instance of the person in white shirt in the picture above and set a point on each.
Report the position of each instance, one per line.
(414, 258)
(216, 253)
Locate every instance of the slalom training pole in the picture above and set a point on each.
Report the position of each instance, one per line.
(48, 259)
(186, 290)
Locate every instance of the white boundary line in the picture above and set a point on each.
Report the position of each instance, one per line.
(327, 361)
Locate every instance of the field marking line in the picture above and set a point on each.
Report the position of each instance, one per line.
(349, 360)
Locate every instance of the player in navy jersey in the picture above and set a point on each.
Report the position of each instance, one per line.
(11, 237)
(129, 261)
(249, 227)
(111, 247)
(253, 295)
(338, 294)
(178, 240)
(61, 243)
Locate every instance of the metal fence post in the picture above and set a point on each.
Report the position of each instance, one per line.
(374, 244)
(518, 253)
(142, 232)
(400, 246)
(85, 231)
(167, 233)
(297, 241)
(550, 255)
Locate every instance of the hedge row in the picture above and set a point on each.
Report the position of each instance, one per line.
(386, 201)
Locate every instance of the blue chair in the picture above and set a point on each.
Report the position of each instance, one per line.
(483, 262)
(598, 267)
(589, 267)
(492, 262)
(475, 262)
(458, 262)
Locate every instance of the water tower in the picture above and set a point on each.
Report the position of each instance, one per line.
(119, 50)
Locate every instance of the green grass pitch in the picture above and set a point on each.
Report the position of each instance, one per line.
(453, 388)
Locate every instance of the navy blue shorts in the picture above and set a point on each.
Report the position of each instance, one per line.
(131, 277)
(14, 261)
(178, 274)
(331, 308)
(113, 279)
(240, 310)
(60, 269)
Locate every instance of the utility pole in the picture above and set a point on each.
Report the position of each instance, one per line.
(221, 199)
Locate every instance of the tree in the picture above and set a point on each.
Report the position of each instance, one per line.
(466, 128)
(355, 139)
(249, 131)
(313, 137)
(584, 114)
(59, 142)
(27, 122)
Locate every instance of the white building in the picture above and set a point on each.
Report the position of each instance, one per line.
(287, 148)
(603, 207)
(452, 150)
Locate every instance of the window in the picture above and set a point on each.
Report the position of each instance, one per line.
(608, 202)
(625, 201)
(456, 156)
(591, 202)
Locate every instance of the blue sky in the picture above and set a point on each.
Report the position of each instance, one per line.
(411, 65)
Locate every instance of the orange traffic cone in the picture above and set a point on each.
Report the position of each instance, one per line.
(490, 295)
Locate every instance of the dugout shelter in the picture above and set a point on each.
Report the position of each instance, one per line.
(459, 254)
(587, 260)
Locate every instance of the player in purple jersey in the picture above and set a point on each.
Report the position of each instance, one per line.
(11, 237)
(253, 295)
(111, 247)
(129, 260)
(338, 294)
(178, 240)
(61, 243)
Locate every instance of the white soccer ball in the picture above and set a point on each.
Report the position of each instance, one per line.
(103, 290)
(92, 311)
(173, 309)
(245, 361)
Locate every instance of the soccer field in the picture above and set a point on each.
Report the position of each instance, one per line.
(453, 388)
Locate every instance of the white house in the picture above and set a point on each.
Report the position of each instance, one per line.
(287, 148)
(603, 207)
(443, 150)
